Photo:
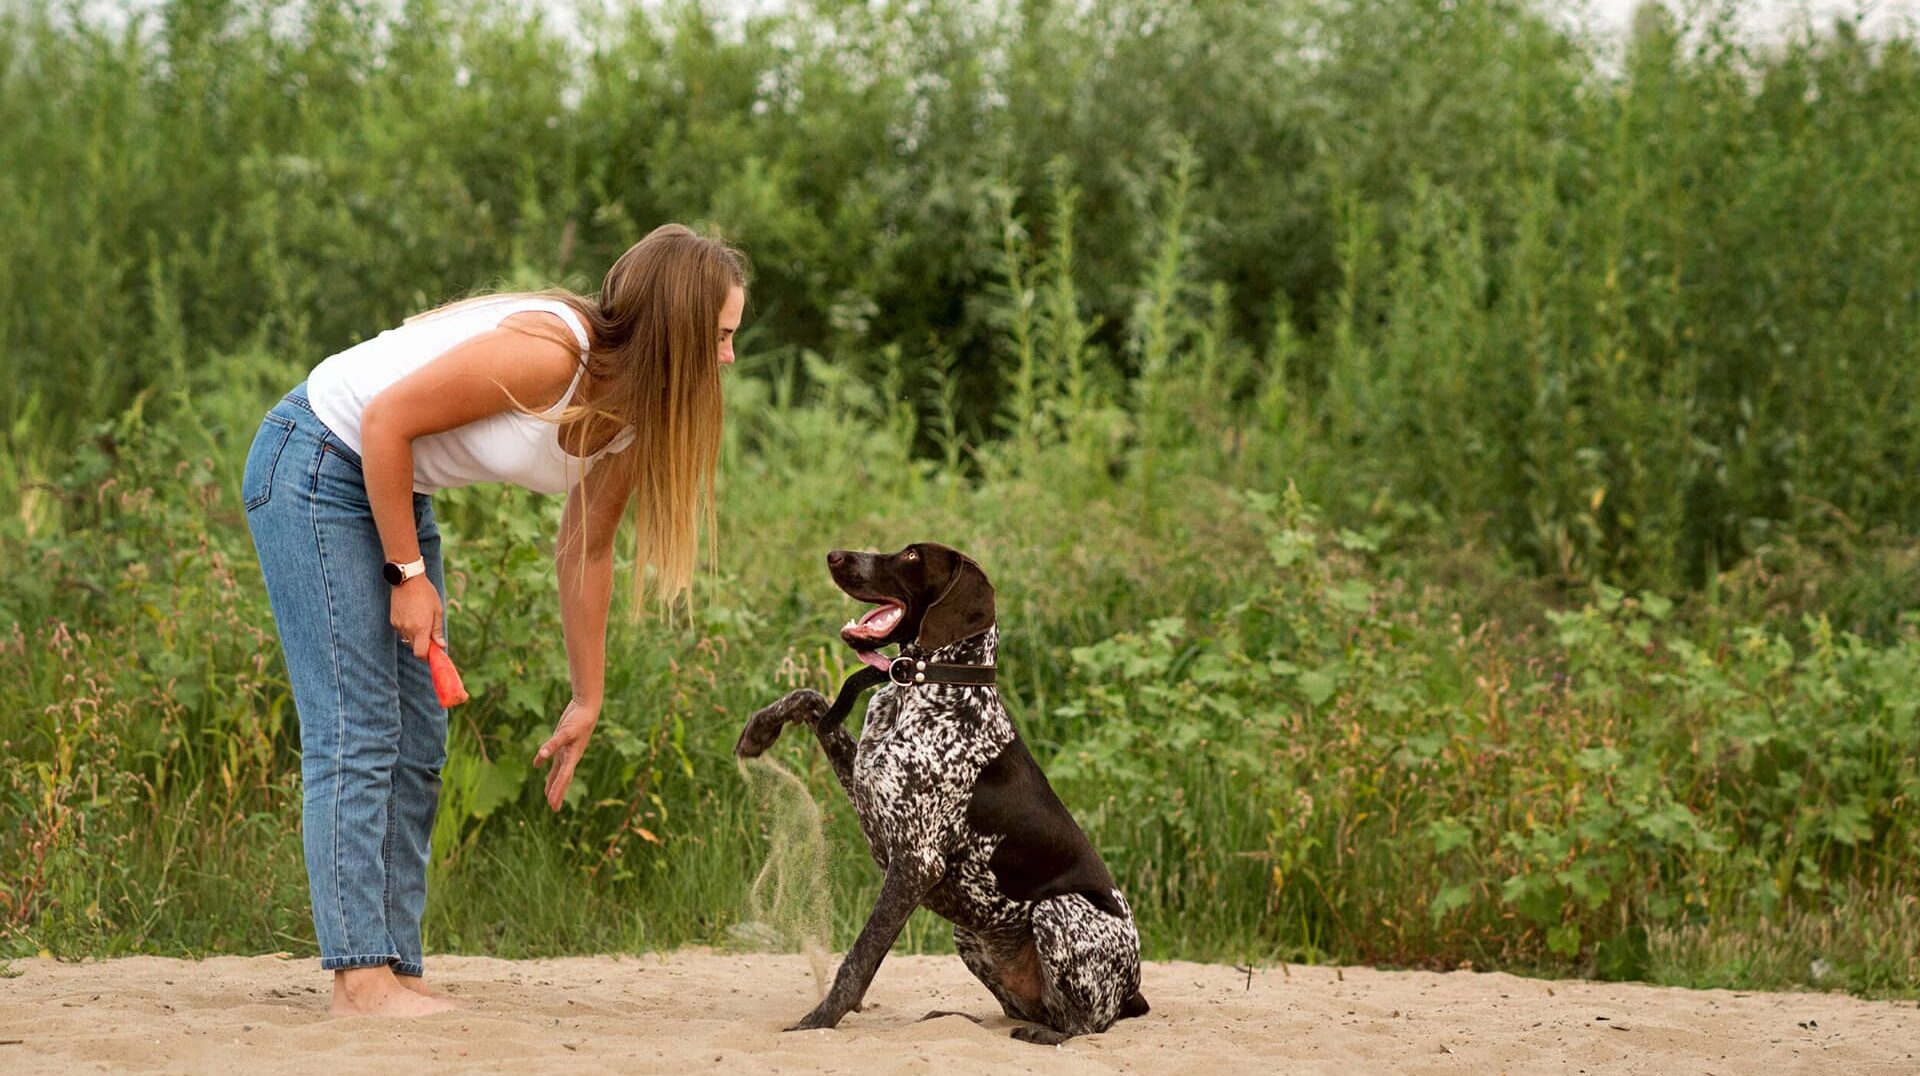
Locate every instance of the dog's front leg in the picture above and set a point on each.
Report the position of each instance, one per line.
(829, 727)
(808, 707)
(907, 881)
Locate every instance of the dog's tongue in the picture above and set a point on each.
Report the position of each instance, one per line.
(871, 628)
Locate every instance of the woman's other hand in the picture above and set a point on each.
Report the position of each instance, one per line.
(565, 746)
(414, 610)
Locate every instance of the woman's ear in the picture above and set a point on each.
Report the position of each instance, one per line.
(963, 609)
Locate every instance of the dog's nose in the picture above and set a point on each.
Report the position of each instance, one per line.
(836, 558)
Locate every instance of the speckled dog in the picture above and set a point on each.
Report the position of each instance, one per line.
(955, 809)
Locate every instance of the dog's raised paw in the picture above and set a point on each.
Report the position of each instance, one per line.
(804, 706)
(762, 732)
(763, 729)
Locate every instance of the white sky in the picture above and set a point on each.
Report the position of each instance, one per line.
(1767, 18)
(1773, 16)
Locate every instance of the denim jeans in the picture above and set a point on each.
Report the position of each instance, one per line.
(373, 735)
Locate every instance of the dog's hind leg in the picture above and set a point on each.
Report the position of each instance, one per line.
(1089, 968)
(996, 971)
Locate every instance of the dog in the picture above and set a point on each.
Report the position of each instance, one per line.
(955, 810)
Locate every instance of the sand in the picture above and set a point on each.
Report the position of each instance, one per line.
(696, 1011)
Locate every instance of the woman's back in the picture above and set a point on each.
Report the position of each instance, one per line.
(507, 447)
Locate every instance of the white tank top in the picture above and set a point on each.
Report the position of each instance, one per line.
(506, 447)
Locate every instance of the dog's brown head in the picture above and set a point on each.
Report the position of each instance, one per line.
(927, 595)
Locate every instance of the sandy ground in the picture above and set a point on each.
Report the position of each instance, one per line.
(697, 1011)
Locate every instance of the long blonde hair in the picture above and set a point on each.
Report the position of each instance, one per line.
(654, 343)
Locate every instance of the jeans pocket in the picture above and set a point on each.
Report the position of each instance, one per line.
(256, 483)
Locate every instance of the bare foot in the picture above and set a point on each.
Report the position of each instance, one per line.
(378, 992)
(419, 986)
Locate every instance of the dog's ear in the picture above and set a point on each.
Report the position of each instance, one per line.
(963, 609)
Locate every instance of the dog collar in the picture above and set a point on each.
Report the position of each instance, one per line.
(910, 672)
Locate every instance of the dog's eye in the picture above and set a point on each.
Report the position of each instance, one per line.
(912, 554)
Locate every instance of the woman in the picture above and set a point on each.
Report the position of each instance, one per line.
(613, 401)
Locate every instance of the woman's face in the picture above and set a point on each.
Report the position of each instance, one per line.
(730, 312)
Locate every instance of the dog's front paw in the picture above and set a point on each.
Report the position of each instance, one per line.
(803, 706)
(762, 731)
(820, 1017)
(763, 728)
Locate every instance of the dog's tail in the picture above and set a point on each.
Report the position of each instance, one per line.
(1133, 1006)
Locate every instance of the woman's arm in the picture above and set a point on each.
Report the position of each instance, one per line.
(583, 566)
(462, 385)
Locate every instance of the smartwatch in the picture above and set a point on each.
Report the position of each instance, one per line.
(397, 573)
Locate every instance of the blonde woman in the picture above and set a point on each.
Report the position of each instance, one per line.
(614, 401)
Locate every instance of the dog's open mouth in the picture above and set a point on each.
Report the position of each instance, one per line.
(875, 625)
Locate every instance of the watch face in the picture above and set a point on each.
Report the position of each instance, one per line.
(392, 572)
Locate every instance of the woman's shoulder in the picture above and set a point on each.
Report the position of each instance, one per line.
(551, 318)
(550, 335)
(551, 347)
(564, 333)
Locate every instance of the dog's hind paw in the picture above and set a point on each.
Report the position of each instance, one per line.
(1040, 1036)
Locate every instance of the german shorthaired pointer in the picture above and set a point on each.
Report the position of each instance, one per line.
(955, 809)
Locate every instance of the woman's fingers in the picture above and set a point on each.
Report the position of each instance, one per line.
(423, 641)
(564, 748)
(561, 776)
(561, 750)
(417, 617)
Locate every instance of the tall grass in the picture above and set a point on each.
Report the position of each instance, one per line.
(1449, 497)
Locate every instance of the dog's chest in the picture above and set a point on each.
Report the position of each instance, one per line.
(920, 752)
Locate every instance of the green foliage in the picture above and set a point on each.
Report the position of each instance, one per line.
(1607, 308)
(1450, 496)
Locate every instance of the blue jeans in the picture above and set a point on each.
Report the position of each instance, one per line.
(373, 735)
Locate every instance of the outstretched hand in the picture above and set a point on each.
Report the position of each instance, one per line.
(565, 746)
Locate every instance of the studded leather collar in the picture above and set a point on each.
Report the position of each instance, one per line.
(913, 672)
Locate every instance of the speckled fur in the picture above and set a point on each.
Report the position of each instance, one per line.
(1060, 962)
